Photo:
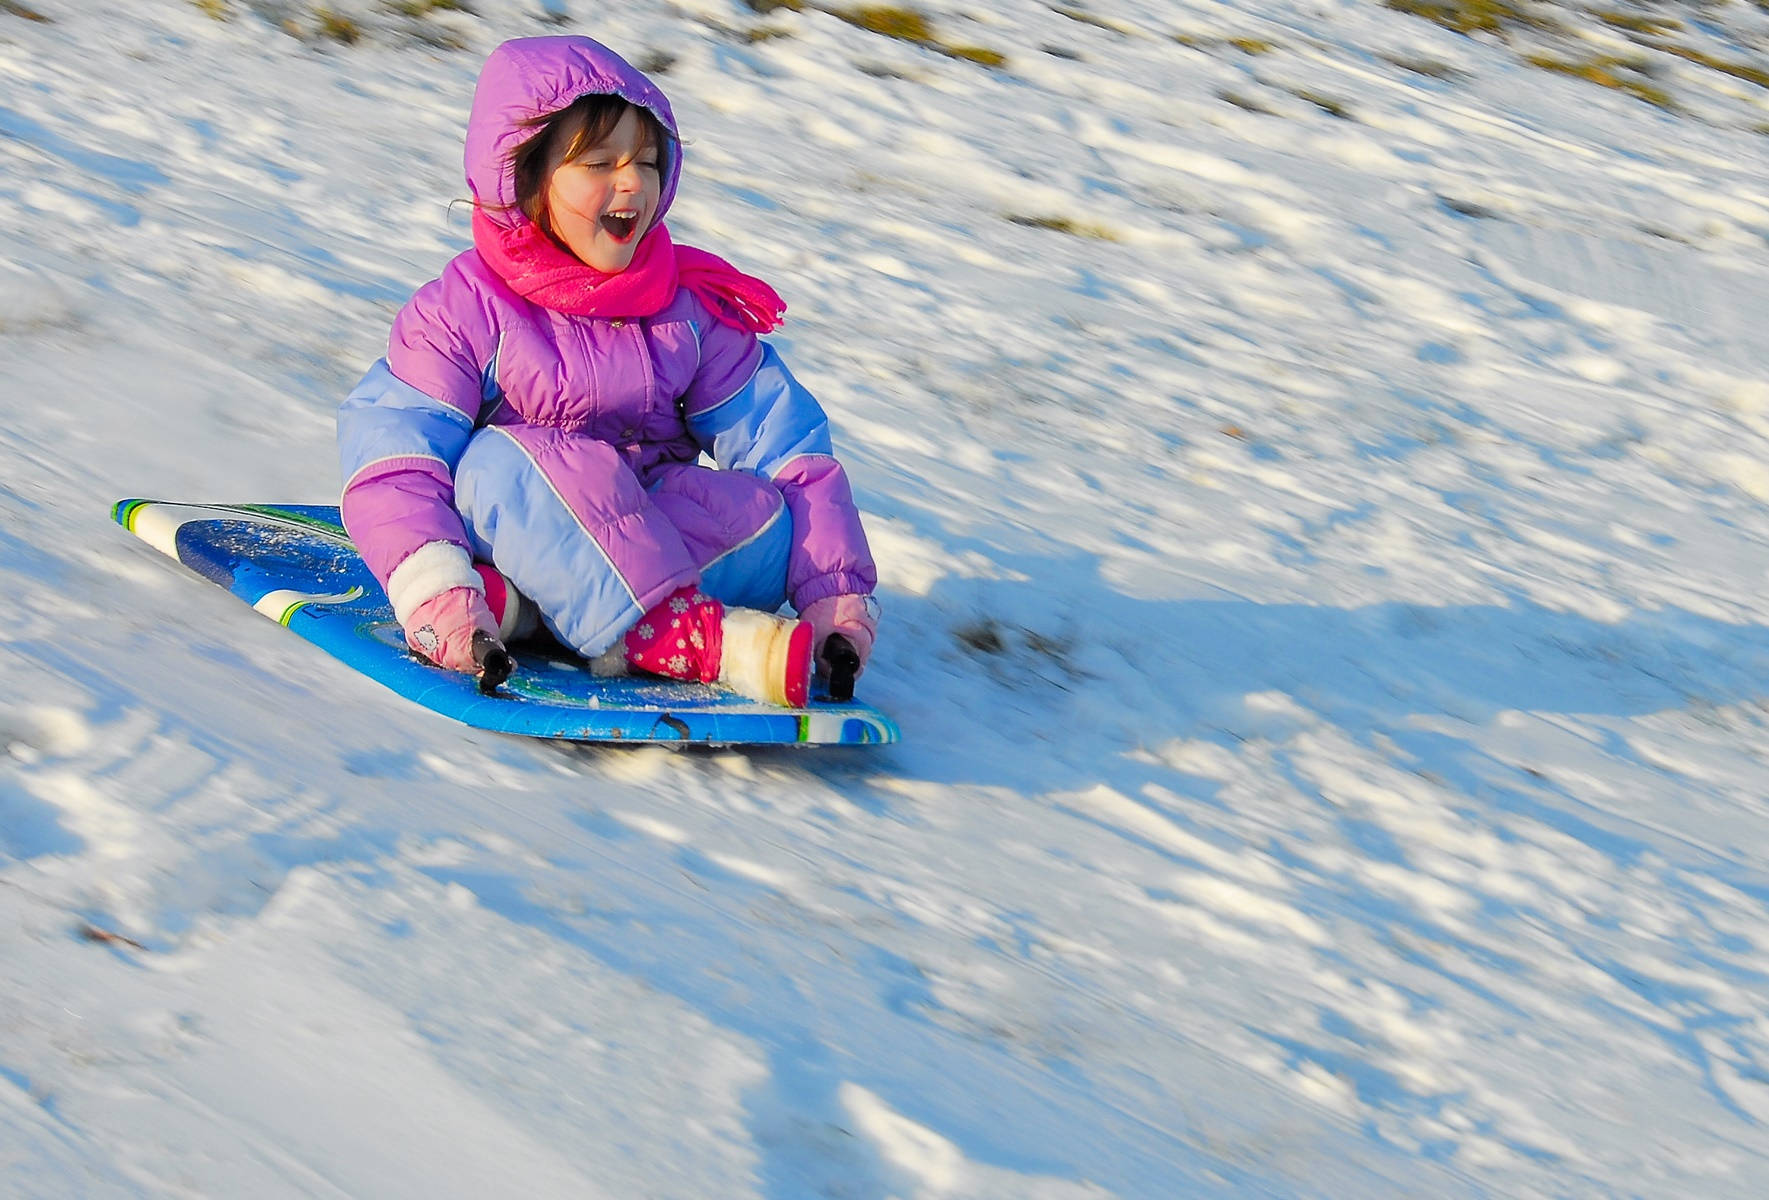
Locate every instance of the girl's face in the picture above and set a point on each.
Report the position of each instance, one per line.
(602, 201)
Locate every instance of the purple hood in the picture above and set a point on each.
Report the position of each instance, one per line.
(530, 78)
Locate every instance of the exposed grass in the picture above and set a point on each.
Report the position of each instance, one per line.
(1636, 23)
(1325, 103)
(655, 62)
(886, 20)
(1475, 16)
(1608, 71)
(215, 10)
(883, 70)
(1744, 71)
(1057, 648)
(1246, 45)
(1017, 655)
(1073, 228)
(1430, 67)
(1248, 103)
(1087, 18)
(390, 22)
(910, 25)
(980, 55)
(16, 8)
(1468, 208)
(336, 27)
(904, 24)
(1653, 33)
(423, 8)
(982, 637)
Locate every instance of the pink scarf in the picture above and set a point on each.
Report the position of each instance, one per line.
(538, 269)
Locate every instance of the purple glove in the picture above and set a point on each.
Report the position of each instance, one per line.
(854, 617)
(442, 628)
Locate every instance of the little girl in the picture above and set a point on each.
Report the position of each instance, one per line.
(530, 442)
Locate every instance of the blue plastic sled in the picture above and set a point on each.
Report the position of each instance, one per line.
(295, 564)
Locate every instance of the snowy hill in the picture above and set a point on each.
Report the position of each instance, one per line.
(1319, 466)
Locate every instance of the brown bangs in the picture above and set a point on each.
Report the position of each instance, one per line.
(561, 136)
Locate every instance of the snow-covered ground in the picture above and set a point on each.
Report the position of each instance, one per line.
(1323, 506)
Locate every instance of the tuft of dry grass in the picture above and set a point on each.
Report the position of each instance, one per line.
(887, 20)
(423, 8)
(336, 27)
(980, 55)
(1324, 102)
(1429, 67)
(17, 8)
(1652, 33)
(1068, 225)
(396, 22)
(1737, 70)
(1017, 654)
(1608, 71)
(1246, 45)
(1247, 103)
(982, 637)
(910, 25)
(1475, 16)
(1636, 23)
(1468, 208)
(904, 24)
(1087, 18)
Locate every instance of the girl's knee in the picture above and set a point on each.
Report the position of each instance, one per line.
(716, 511)
(751, 573)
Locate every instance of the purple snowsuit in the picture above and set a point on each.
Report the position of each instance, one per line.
(563, 449)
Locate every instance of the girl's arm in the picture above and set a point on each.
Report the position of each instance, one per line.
(400, 434)
(748, 411)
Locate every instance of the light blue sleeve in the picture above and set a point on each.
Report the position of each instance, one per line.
(385, 421)
(770, 421)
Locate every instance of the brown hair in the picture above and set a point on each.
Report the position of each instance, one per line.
(561, 136)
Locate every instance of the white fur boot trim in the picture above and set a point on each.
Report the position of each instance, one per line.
(611, 662)
(757, 647)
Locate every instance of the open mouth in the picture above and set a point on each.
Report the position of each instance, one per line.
(620, 225)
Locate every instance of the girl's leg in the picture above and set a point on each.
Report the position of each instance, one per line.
(736, 530)
(563, 517)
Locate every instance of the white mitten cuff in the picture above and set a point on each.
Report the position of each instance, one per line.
(426, 573)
